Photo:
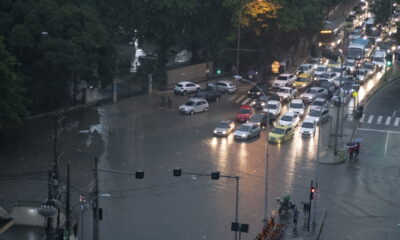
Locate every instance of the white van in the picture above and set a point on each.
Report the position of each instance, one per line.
(379, 58)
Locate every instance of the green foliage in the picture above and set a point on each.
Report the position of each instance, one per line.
(12, 102)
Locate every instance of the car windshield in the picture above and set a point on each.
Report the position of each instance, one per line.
(223, 125)
(337, 70)
(256, 118)
(377, 59)
(303, 68)
(282, 78)
(296, 105)
(349, 64)
(179, 85)
(244, 111)
(190, 103)
(244, 128)
(278, 131)
(302, 79)
(326, 75)
(283, 90)
(287, 118)
(324, 83)
(315, 113)
(320, 69)
(333, 62)
(318, 103)
(272, 106)
(354, 53)
(312, 91)
(369, 66)
(307, 125)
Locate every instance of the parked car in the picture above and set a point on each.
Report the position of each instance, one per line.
(244, 114)
(224, 128)
(280, 134)
(308, 128)
(289, 119)
(297, 106)
(247, 131)
(273, 107)
(310, 94)
(285, 79)
(186, 87)
(209, 95)
(287, 93)
(194, 105)
(225, 86)
(305, 68)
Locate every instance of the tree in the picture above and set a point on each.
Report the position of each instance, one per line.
(12, 103)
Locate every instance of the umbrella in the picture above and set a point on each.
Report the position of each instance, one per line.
(350, 144)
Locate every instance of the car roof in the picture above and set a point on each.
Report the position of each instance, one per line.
(246, 107)
(306, 65)
(286, 88)
(319, 99)
(304, 75)
(225, 121)
(194, 99)
(184, 82)
(317, 88)
(296, 100)
(322, 65)
(274, 102)
(249, 124)
(308, 119)
(284, 127)
(225, 81)
(289, 114)
(285, 74)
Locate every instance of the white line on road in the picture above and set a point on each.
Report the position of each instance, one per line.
(386, 143)
(371, 117)
(231, 98)
(246, 101)
(377, 130)
(362, 118)
(240, 99)
(394, 113)
(379, 120)
(396, 122)
(388, 121)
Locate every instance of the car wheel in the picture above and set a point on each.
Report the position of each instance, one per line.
(197, 90)
(205, 109)
(226, 92)
(184, 93)
(217, 99)
(191, 112)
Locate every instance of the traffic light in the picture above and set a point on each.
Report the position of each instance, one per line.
(312, 193)
(389, 58)
(219, 71)
(389, 63)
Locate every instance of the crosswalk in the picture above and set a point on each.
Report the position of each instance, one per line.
(380, 120)
(242, 99)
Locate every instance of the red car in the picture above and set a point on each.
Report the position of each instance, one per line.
(244, 114)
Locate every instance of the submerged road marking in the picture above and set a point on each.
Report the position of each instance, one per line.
(240, 99)
(394, 113)
(371, 117)
(396, 122)
(362, 118)
(386, 143)
(377, 130)
(246, 101)
(233, 97)
(379, 120)
(388, 121)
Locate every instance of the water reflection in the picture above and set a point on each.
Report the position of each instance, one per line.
(219, 148)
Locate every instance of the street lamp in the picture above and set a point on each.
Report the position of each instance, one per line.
(339, 104)
(235, 226)
(238, 40)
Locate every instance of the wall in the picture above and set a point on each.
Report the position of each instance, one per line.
(193, 73)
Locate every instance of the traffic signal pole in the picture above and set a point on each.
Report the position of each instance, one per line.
(96, 201)
(312, 189)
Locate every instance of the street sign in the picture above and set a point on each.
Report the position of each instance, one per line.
(355, 94)
(275, 67)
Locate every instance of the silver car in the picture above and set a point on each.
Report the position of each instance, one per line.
(312, 93)
(247, 131)
(224, 128)
(224, 86)
(319, 115)
(194, 105)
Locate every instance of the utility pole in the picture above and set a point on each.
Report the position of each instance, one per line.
(96, 201)
(49, 226)
(310, 201)
(68, 207)
(338, 106)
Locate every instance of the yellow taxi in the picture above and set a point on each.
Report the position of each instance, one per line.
(303, 80)
(280, 134)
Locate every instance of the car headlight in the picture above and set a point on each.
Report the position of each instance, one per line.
(224, 132)
(243, 134)
(258, 93)
(248, 92)
(319, 44)
(263, 104)
(215, 131)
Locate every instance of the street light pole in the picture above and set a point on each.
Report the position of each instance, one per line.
(238, 40)
(338, 106)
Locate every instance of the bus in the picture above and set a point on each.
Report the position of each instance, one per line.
(358, 50)
(331, 35)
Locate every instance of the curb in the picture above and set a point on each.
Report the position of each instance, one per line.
(340, 159)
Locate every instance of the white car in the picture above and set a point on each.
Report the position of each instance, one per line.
(289, 119)
(194, 105)
(224, 86)
(306, 68)
(320, 70)
(247, 131)
(318, 103)
(349, 66)
(310, 94)
(224, 128)
(287, 93)
(186, 87)
(337, 70)
(362, 75)
(285, 79)
(273, 107)
(308, 128)
(319, 115)
(297, 106)
(328, 76)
